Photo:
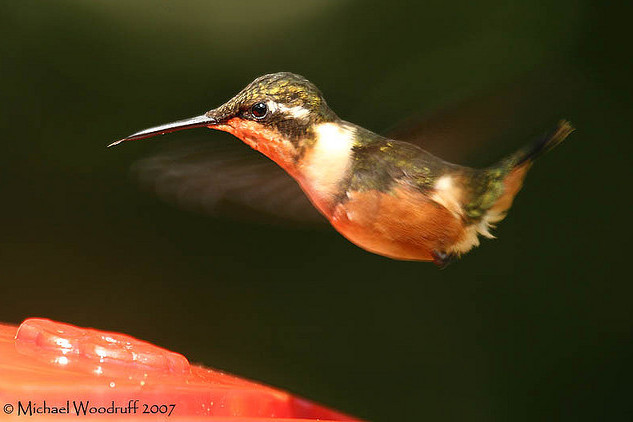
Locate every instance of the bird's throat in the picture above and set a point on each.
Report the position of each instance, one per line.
(268, 141)
(318, 164)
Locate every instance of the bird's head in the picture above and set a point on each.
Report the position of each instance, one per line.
(274, 114)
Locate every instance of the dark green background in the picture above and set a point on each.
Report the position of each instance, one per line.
(536, 325)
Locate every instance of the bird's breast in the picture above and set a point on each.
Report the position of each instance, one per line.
(326, 163)
(403, 223)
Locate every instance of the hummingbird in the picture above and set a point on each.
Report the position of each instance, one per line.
(389, 197)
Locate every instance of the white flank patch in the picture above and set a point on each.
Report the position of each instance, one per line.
(448, 195)
(329, 159)
(471, 238)
(296, 112)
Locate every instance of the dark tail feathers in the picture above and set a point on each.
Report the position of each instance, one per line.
(542, 144)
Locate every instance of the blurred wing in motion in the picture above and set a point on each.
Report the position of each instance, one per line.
(226, 179)
(476, 126)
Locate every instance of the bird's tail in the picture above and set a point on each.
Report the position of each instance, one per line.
(539, 147)
(512, 170)
(501, 182)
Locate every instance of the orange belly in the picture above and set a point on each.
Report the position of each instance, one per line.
(402, 224)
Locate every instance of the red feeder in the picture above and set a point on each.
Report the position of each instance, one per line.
(49, 370)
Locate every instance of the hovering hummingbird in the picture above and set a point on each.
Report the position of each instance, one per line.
(389, 197)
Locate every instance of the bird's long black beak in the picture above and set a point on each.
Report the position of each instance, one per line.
(198, 121)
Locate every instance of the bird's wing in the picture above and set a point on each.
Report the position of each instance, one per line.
(474, 130)
(225, 179)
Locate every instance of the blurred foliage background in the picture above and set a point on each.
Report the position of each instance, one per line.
(536, 325)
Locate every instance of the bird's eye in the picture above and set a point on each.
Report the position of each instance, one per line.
(259, 110)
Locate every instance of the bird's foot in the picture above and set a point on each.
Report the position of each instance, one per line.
(442, 259)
